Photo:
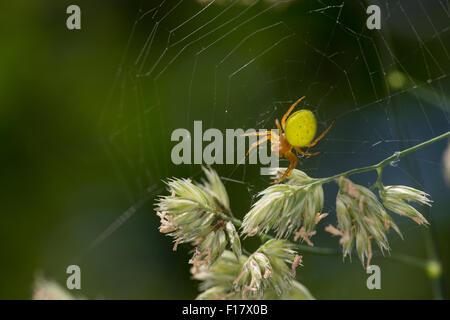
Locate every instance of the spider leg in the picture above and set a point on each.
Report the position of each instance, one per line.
(274, 135)
(278, 126)
(256, 134)
(321, 136)
(267, 135)
(257, 143)
(303, 153)
(293, 160)
(283, 120)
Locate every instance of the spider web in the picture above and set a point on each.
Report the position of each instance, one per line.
(241, 64)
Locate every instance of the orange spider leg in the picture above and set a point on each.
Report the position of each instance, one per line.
(321, 136)
(278, 126)
(303, 153)
(256, 134)
(292, 164)
(257, 143)
(286, 115)
(267, 135)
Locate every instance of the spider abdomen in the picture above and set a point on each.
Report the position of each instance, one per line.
(301, 128)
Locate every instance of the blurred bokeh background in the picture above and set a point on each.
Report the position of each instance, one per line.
(86, 117)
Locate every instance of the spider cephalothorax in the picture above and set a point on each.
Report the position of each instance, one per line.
(297, 131)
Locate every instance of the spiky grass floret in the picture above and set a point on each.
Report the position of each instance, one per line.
(361, 219)
(190, 215)
(267, 268)
(287, 208)
(396, 198)
(263, 274)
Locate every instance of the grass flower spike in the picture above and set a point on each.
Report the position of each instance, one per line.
(286, 208)
(190, 214)
(297, 292)
(187, 214)
(361, 219)
(217, 280)
(395, 197)
(235, 241)
(267, 268)
(214, 186)
(209, 248)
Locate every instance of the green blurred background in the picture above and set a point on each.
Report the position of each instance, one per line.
(86, 118)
